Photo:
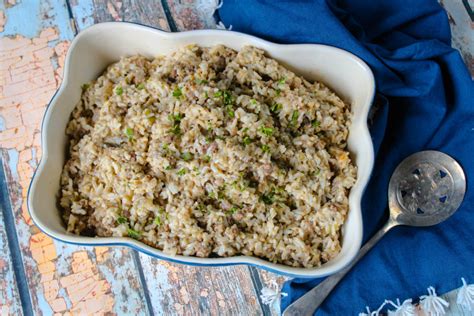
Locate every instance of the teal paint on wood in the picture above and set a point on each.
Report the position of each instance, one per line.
(29, 17)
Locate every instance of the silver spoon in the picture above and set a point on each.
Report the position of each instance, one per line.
(425, 189)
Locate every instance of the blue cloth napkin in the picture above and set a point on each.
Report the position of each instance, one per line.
(425, 100)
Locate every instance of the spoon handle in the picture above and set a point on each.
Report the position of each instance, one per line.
(308, 303)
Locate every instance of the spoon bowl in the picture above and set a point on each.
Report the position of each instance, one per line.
(425, 189)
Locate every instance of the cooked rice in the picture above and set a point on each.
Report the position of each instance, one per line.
(210, 152)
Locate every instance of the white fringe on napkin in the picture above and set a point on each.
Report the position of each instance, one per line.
(375, 312)
(432, 304)
(404, 309)
(271, 294)
(466, 295)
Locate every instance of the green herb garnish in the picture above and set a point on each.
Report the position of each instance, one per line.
(168, 167)
(129, 133)
(176, 119)
(232, 210)
(85, 86)
(134, 234)
(228, 99)
(276, 107)
(181, 172)
(177, 93)
(119, 90)
(268, 198)
(294, 118)
(206, 158)
(218, 94)
(122, 220)
(265, 148)
(141, 86)
(157, 220)
(266, 130)
(282, 81)
(253, 101)
(201, 81)
(230, 111)
(187, 156)
(246, 141)
(316, 123)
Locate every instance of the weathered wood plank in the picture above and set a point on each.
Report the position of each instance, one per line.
(462, 28)
(10, 302)
(192, 14)
(89, 12)
(33, 41)
(183, 290)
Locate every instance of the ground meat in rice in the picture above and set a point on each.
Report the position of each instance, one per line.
(210, 152)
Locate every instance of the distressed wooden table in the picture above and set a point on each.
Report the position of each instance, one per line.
(46, 277)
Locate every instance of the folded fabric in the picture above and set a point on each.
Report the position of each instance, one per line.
(425, 101)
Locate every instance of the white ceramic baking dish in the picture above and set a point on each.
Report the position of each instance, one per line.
(102, 44)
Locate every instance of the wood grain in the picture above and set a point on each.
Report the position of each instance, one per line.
(149, 13)
(57, 278)
(182, 290)
(10, 301)
(192, 14)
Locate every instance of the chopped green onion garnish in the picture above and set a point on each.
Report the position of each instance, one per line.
(206, 95)
(253, 101)
(187, 156)
(268, 198)
(212, 195)
(122, 220)
(201, 81)
(230, 112)
(282, 81)
(266, 130)
(277, 92)
(196, 169)
(129, 133)
(228, 99)
(265, 148)
(218, 94)
(245, 130)
(168, 167)
(177, 93)
(134, 234)
(141, 86)
(157, 220)
(316, 123)
(119, 90)
(276, 107)
(181, 172)
(246, 141)
(294, 117)
(176, 117)
(232, 210)
(85, 86)
(206, 158)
